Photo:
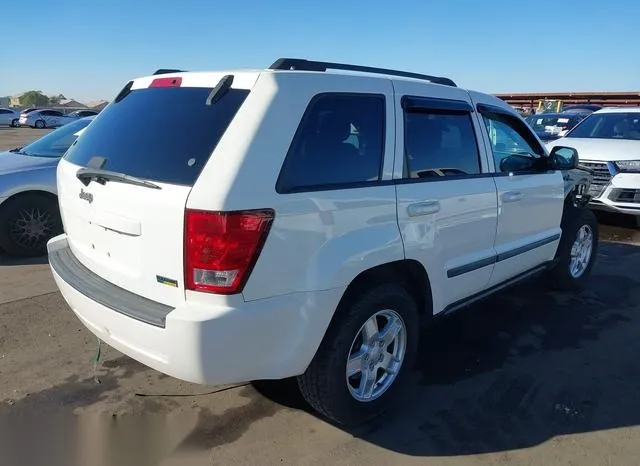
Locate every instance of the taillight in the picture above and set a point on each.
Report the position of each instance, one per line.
(166, 82)
(221, 248)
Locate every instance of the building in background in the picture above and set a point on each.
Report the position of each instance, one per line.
(97, 105)
(525, 102)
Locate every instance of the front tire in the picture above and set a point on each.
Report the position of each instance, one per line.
(577, 250)
(40, 124)
(365, 356)
(15, 123)
(27, 222)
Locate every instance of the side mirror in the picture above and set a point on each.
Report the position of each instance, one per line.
(517, 163)
(563, 133)
(563, 158)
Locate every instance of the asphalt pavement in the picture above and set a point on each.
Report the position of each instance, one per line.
(528, 377)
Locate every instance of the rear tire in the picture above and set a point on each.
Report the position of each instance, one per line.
(40, 124)
(577, 250)
(27, 222)
(346, 399)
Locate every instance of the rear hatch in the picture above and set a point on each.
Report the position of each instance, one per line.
(123, 185)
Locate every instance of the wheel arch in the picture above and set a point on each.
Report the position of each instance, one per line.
(407, 272)
(20, 194)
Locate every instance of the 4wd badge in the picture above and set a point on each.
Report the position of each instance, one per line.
(86, 196)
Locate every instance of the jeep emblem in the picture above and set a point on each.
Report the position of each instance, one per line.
(86, 196)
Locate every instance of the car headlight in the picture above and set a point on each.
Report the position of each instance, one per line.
(628, 166)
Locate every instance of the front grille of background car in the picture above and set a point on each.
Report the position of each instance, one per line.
(601, 177)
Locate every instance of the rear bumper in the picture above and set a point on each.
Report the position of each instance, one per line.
(229, 342)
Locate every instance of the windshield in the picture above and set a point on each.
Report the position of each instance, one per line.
(609, 126)
(56, 143)
(552, 123)
(163, 134)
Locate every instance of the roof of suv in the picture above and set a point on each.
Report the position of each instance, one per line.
(303, 66)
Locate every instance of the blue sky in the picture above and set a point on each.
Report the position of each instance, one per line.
(88, 49)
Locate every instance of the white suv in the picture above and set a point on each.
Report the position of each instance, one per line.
(609, 144)
(299, 222)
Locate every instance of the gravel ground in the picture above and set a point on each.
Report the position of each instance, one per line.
(529, 377)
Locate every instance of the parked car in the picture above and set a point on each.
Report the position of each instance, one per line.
(245, 238)
(608, 142)
(549, 126)
(82, 113)
(29, 214)
(24, 113)
(9, 117)
(45, 118)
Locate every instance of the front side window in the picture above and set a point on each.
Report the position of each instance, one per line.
(511, 140)
(440, 144)
(339, 143)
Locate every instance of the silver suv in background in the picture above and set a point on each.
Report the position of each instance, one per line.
(608, 142)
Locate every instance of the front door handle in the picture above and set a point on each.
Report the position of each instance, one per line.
(512, 196)
(423, 208)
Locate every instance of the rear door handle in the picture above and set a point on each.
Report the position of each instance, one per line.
(423, 208)
(512, 196)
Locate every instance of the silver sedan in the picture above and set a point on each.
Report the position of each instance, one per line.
(29, 214)
(44, 119)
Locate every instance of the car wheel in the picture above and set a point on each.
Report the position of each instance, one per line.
(15, 123)
(27, 222)
(40, 124)
(365, 356)
(577, 250)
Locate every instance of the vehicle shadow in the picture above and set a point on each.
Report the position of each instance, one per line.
(8, 261)
(520, 369)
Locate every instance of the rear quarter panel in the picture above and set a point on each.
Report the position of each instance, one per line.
(319, 240)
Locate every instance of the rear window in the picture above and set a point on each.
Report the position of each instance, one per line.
(160, 134)
(339, 144)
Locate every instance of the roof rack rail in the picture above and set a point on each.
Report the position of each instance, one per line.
(167, 71)
(299, 64)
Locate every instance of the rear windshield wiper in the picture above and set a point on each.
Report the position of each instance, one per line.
(86, 175)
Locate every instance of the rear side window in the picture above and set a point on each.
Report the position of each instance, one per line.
(339, 144)
(440, 143)
(160, 134)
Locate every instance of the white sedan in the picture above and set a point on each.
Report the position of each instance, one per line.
(45, 119)
(9, 117)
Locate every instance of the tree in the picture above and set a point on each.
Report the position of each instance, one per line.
(36, 98)
(56, 99)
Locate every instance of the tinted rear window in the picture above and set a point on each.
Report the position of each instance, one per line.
(339, 144)
(159, 134)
